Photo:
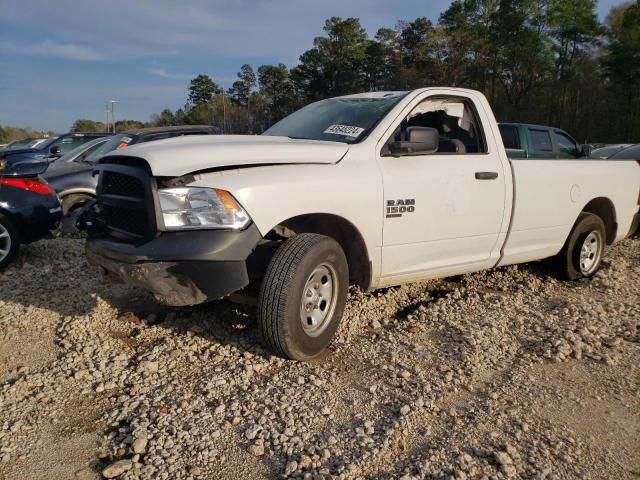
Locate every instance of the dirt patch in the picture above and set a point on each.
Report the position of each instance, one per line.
(501, 374)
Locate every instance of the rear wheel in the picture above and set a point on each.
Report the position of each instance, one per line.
(302, 296)
(582, 253)
(9, 241)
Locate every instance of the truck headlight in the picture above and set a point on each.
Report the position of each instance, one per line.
(198, 207)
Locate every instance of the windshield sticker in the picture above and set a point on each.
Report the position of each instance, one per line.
(346, 130)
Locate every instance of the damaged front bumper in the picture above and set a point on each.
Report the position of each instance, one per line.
(179, 268)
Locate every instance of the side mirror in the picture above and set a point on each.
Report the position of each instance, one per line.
(420, 141)
(56, 151)
(585, 150)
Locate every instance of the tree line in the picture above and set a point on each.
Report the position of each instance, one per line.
(538, 61)
(84, 125)
(9, 134)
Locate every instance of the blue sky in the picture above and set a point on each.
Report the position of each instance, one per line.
(62, 60)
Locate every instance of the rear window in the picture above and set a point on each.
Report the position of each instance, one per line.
(510, 137)
(156, 136)
(118, 141)
(540, 140)
(26, 143)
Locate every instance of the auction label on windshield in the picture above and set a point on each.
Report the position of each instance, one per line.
(347, 130)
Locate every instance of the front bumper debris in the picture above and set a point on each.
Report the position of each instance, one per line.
(179, 268)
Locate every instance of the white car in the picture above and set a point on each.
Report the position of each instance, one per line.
(376, 189)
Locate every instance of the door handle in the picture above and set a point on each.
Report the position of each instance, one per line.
(486, 175)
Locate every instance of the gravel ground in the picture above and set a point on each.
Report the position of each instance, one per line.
(501, 374)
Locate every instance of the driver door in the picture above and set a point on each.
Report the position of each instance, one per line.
(444, 211)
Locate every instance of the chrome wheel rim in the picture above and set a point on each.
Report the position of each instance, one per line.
(318, 300)
(590, 252)
(5, 242)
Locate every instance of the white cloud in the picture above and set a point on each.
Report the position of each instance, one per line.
(49, 48)
(161, 72)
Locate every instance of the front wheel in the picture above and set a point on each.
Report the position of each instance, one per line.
(302, 296)
(74, 202)
(582, 253)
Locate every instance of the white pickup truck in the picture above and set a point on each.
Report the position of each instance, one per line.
(376, 190)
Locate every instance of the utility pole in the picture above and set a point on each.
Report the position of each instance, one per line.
(106, 112)
(113, 114)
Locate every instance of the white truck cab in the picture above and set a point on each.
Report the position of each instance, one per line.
(375, 189)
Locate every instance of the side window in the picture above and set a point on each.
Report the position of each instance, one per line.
(566, 143)
(455, 119)
(540, 140)
(510, 137)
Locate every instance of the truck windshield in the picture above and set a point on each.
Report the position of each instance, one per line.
(346, 119)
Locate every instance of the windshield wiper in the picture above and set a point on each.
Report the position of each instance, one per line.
(299, 138)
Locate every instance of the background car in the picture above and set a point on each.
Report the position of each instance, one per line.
(48, 149)
(29, 210)
(78, 154)
(608, 150)
(74, 181)
(522, 140)
(25, 143)
(632, 152)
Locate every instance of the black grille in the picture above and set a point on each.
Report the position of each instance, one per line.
(119, 184)
(126, 220)
(125, 198)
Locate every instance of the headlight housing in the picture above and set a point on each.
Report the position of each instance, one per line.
(186, 208)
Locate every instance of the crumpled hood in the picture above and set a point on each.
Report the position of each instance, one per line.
(182, 155)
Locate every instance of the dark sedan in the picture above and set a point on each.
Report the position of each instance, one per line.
(75, 182)
(47, 150)
(29, 210)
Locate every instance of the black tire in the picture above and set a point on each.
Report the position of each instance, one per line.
(280, 307)
(12, 240)
(74, 201)
(568, 261)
